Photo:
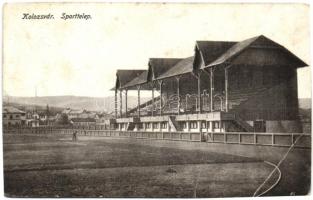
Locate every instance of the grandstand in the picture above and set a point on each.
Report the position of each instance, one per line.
(224, 87)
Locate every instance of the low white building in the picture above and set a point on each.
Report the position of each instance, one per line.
(71, 113)
(32, 119)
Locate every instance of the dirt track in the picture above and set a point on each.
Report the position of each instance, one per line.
(50, 166)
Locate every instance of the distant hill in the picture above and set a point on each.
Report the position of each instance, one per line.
(305, 103)
(39, 108)
(76, 102)
(94, 103)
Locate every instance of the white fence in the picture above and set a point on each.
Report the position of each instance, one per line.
(245, 138)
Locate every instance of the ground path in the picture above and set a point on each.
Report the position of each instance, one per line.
(124, 167)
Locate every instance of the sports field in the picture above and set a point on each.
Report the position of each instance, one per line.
(56, 166)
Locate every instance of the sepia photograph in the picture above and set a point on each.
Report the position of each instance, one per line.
(156, 100)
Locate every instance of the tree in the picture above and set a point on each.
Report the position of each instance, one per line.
(47, 110)
(63, 119)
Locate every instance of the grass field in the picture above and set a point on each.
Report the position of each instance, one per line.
(55, 166)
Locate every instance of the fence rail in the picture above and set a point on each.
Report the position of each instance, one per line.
(244, 138)
(264, 139)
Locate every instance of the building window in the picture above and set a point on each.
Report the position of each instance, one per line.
(193, 125)
(4, 115)
(259, 126)
(216, 124)
(163, 125)
(11, 117)
(148, 125)
(183, 125)
(155, 125)
(203, 124)
(122, 125)
(139, 126)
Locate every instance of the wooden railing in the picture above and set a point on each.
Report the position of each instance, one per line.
(264, 139)
(184, 136)
(243, 138)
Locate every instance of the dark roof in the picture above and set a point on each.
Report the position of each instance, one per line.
(103, 115)
(213, 53)
(182, 67)
(211, 50)
(141, 79)
(158, 66)
(83, 120)
(125, 76)
(10, 109)
(259, 41)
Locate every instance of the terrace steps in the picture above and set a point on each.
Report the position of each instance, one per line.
(236, 99)
(173, 124)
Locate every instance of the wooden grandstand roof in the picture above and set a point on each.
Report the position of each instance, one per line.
(182, 67)
(125, 76)
(212, 53)
(211, 50)
(158, 66)
(260, 42)
(139, 80)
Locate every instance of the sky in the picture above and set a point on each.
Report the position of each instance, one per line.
(80, 57)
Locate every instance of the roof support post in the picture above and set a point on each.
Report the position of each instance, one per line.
(226, 89)
(199, 92)
(115, 103)
(126, 114)
(211, 88)
(152, 85)
(161, 99)
(138, 91)
(178, 94)
(121, 103)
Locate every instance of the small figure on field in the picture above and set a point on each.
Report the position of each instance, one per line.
(74, 136)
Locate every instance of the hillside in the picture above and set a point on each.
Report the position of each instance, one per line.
(94, 103)
(28, 108)
(76, 102)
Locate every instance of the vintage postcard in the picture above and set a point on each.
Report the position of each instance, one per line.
(156, 100)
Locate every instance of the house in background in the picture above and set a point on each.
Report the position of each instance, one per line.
(72, 113)
(12, 116)
(102, 117)
(43, 117)
(32, 119)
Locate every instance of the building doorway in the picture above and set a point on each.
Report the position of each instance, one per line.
(259, 126)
